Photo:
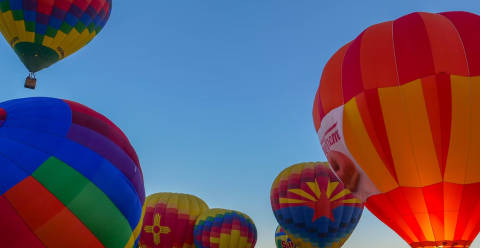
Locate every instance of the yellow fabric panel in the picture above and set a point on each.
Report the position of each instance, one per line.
(194, 209)
(473, 172)
(450, 224)
(362, 149)
(420, 133)
(57, 40)
(242, 241)
(47, 41)
(224, 240)
(235, 239)
(71, 37)
(330, 188)
(130, 242)
(79, 42)
(30, 37)
(22, 33)
(288, 200)
(302, 194)
(425, 224)
(460, 132)
(398, 136)
(183, 204)
(151, 200)
(283, 175)
(11, 23)
(5, 29)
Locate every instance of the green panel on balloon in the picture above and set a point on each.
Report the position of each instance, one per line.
(79, 194)
(35, 56)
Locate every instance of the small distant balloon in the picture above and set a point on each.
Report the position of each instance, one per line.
(282, 240)
(225, 228)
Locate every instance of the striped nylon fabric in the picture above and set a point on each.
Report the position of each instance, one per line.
(42, 32)
(169, 220)
(68, 178)
(313, 207)
(221, 228)
(410, 93)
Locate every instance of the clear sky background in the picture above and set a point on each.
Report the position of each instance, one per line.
(216, 95)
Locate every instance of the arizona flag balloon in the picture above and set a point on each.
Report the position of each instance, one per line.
(282, 240)
(68, 178)
(314, 208)
(169, 219)
(223, 228)
(398, 116)
(42, 32)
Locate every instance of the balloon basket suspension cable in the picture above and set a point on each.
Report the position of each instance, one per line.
(31, 81)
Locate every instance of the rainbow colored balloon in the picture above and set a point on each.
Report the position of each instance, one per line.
(314, 208)
(169, 219)
(68, 178)
(43, 32)
(221, 228)
(282, 240)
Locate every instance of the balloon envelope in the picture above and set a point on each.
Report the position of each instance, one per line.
(68, 177)
(282, 240)
(169, 219)
(42, 32)
(225, 228)
(398, 114)
(313, 207)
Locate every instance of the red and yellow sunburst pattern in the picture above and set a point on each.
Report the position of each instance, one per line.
(309, 196)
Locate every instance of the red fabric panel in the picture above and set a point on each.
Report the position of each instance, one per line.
(383, 209)
(377, 57)
(48, 218)
(468, 26)
(318, 113)
(412, 48)
(375, 109)
(14, 233)
(63, 4)
(397, 198)
(444, 89)
(82, 4)
(352, 82)
(433, 196)
(44, 8)
(470, 198)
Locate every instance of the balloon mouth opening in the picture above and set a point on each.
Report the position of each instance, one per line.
(36, 57)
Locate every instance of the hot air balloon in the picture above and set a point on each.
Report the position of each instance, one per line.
(282, 240)
(169, 219)
(68, 178)
(225, 228)
(43, 32)
(314, 208)
(398, 115)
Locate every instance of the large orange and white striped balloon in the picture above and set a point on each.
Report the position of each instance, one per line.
(398, 116)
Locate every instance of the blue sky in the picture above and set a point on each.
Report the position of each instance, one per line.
(216, 96)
